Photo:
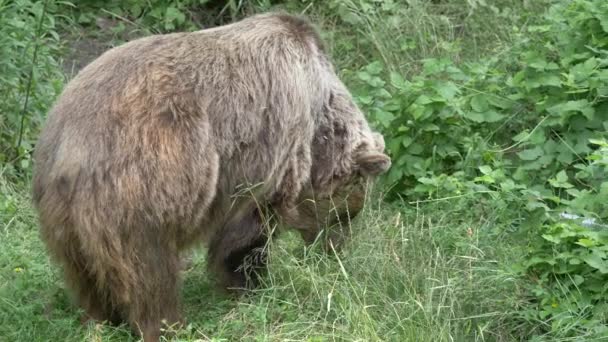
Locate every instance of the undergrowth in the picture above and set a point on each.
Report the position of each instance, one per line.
(30, 78)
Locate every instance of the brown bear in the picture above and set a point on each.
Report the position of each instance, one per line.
(175, 139)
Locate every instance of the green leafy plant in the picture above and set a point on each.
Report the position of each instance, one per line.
(516, 125)
(568, 271)
(30, 77)
(525, 128)
(166, 15)
(155, 15)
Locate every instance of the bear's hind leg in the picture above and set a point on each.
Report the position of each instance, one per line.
(140, 284)
(154, 293)
(79, 277)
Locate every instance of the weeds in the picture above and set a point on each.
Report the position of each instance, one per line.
(29, 78)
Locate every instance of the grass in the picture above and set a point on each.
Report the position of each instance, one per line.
(408, 274)
(402, 34)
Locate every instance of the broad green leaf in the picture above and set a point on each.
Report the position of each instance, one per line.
(560, 181)
(540, 260)
(582, 106)
(564, 154)
(507, 185)
(415, 148)
(603, 19)
(488, 179)
(531, 154)
(430, 128)
(552, 238)
(367, 100)
(583, 71)
(364, 76)
(383, 93)
(534, 60)
(493, 116)
(376, 82)
(542, 80)
(432, 66)
(499, 102)
(447, 90)
(597, 262)
(427, 181)
(424, 100)
(485, 169)
(537, 64)
(561, 176)
(420, 112)
(398, 81)
(374, 68)
(351, 17)
(135, 10)
(521, 136)
(539, 28)
(384, 117)
(479, 103)
(586, 243)
(474, 116)
(602, 142)
(25, 163)
(406, 141)
(394, 146)
(174, 15)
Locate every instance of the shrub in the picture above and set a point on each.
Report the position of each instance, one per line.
(526, 128)
(30, 77)
(167, 15)
(518, 125)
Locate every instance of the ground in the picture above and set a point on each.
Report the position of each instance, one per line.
(84, 45)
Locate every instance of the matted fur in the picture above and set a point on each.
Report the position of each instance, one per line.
(174, 139)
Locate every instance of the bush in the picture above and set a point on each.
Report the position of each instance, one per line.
(520, 125)
(30, 77)
(568, 272)
(167, 15)
(527, 129)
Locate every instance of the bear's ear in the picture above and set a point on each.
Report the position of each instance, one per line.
(373, 163)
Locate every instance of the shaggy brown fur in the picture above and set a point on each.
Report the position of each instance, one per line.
(173, 139)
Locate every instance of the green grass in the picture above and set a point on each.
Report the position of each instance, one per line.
(408, 274)
(402, 34)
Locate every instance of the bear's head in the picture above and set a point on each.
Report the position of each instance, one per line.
(347, 156)
(330, 204)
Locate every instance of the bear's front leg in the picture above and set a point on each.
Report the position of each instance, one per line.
(237, 253)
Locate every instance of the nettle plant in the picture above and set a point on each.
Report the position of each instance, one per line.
(159, 15)
(30, 78)
(568, 271)
(527, 127)
(525, 122)
(167, 15)
(568, 263)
